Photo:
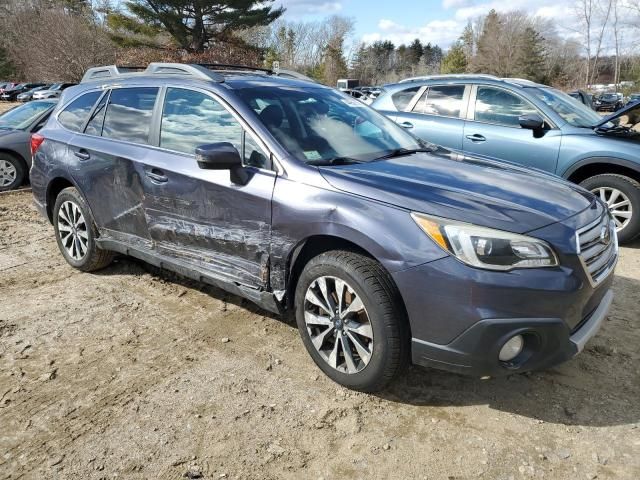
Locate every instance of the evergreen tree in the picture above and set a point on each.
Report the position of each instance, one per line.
(415, 52)
(467, 40)
(489, 48)
(194, 24)
(531, 59)
(455, 61)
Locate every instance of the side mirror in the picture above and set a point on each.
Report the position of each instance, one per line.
(222, 156)
(218, 156)
(531, 121)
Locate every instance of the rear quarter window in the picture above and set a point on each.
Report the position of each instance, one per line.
(402, 98)
(74, 116)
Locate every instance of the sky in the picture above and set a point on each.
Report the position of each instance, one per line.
(435, 21)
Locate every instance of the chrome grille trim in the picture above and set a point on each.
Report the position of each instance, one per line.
(598, 258)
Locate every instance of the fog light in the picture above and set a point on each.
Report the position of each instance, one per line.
(511, 349)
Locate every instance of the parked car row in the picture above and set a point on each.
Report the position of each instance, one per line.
(388, 249)
(532, 125)
(24, 92)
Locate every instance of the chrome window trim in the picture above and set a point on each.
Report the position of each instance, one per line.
(275, 160)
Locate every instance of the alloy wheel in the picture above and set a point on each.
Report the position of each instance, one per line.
(72, 229)
(619, 205)
(8, 173)
(338, 324)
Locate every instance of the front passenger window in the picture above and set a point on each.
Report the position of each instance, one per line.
(191, 119)
(497, 106)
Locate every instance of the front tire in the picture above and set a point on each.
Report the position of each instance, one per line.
(352, 321)
(622, 195)
(76, 233)
(12, 172)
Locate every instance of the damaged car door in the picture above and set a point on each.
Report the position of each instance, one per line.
(107, 153)
(204, 218)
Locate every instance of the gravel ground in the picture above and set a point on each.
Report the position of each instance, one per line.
(135, 373)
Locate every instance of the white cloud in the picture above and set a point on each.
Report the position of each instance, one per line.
(310, 7)
(440, 32)
(446, 4)
(553, 9)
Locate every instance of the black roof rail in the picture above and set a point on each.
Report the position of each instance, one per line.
(228, 66)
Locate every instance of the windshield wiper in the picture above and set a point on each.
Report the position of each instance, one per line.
(333, 161)
(400, 152)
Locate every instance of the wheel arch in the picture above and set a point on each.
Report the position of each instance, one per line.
(602, 165)
(54, 187)
(315, 245)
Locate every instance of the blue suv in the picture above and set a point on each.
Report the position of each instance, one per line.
(530, 124)
(387, 249)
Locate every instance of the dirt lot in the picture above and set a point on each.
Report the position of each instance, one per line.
(136, 373)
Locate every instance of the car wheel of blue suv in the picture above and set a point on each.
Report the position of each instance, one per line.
(350, 316)
(622, 195)
(76, 232)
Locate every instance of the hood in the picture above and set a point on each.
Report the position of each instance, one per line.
(468, 189)
(627, 110)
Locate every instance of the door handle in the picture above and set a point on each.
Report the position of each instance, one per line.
(82, 154)
(407, 125)
(157, 175)
(476, 138)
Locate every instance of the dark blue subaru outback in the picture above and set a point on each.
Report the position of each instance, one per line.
(389, 250)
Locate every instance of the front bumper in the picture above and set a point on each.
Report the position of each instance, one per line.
(548, 342)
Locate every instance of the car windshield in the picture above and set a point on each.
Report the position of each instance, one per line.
(320, 126)
(571, 110)
(609, 96)
(55, 86)
(24, 115)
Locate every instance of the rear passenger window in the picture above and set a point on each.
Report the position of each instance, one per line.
(443, 100)
(191, 119)
(402, 98)
(75, 115)
(128, 115)
(497, 106)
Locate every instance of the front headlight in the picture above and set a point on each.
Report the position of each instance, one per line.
(485, 247)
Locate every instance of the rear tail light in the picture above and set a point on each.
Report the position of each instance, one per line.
(36, 141)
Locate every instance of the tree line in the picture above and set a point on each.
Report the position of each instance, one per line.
(57, 40)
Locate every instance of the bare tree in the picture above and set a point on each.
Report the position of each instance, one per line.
(48, 42)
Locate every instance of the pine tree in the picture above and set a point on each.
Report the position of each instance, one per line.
(488, 58)
(194, 24)
(415, 51)
(455, 61)
(467, 40)
(531, 58)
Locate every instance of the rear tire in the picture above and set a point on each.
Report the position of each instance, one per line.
(623, 194)
(13, 172)
(362, 349)
(76, 233)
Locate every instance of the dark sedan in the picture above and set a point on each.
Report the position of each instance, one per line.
(609, 102)
(16, 127)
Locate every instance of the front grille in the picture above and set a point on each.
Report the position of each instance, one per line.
(598, 248)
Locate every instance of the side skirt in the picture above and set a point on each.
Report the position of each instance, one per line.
(263, 299)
